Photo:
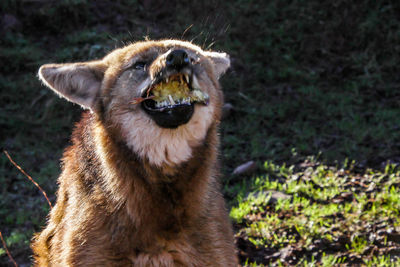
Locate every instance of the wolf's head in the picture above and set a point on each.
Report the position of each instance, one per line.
(159, 97)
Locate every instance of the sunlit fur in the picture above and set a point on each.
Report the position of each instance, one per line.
(132, 193)
(166, 146)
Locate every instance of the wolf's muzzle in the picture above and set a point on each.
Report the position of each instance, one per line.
(177, 59)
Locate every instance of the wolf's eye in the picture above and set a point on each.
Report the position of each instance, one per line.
(140, 65)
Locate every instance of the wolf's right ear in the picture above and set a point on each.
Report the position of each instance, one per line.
(77, 82)
(220, 60)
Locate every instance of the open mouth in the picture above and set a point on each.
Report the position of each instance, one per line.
(170, 101)
(177, 89)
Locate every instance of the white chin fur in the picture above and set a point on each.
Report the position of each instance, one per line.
(165, 146)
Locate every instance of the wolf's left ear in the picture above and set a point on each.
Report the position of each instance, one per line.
(77, 82)
(221, 62)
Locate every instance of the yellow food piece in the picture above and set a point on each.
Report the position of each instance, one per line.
(198, 96)
(178, 90)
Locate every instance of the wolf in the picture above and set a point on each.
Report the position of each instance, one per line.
(139, 184)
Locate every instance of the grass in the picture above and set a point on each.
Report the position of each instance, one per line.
(350, 215)
(307, 78)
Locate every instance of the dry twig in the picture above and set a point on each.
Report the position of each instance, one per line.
(8, 252)
(28, 176)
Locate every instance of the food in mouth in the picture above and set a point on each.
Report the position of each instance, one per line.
(174, 90)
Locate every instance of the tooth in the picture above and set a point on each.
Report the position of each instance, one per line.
(171, 100)
(144, 86)
(187, 78)
(167, 79)
(195, 83)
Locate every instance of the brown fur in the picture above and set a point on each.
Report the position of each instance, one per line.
(116, 206)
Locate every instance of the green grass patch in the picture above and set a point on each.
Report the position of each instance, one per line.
(295, 214)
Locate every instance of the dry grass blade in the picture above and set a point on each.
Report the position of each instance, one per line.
(8, 252)
(28, 176)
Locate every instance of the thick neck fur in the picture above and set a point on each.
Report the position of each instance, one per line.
(162, 199)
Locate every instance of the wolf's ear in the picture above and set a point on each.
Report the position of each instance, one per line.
(77, 82)
(221, 62)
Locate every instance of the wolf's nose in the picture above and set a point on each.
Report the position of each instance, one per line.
(177, 59)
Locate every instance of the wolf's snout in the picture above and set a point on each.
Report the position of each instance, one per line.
(177, 59)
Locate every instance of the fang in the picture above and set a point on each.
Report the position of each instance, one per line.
(171, 100)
